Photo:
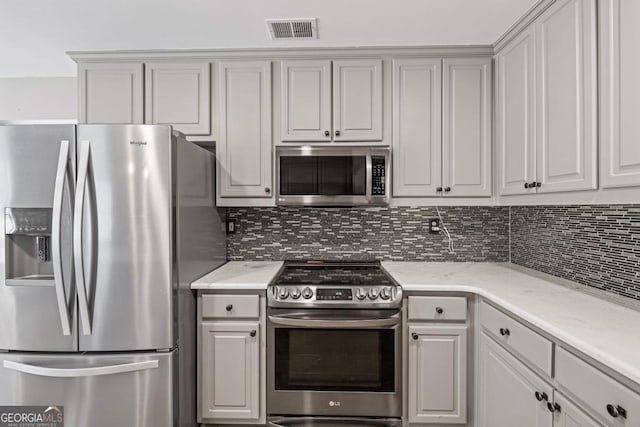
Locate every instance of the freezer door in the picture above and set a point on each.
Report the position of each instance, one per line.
(123, 238)
(135, 390)
(37, 295)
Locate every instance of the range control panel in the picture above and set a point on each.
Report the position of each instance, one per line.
(356, 297)
(378, 173)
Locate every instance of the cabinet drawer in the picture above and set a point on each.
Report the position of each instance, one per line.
(230, 306)
(517, 337)
(428, 308)
(596, 390)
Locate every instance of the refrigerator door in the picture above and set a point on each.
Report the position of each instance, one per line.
(99, 391)
(37, 294)
(123, 238)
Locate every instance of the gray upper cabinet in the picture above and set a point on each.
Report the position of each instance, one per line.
(110, 92)
(619, 92)
(179, 94)
(566, 96)
(515, 105)
(243, 149)
(417, 127)
(466, 133)
(324, 101)
(357, 100)
(306, 101)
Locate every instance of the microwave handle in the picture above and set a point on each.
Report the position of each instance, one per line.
(297, 322)
(369, 166)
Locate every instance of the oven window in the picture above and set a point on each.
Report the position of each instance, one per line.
(323, 175)
(334, 360)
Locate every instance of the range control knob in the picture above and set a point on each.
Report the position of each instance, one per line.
(385, 293)
(361, 293)
(283, 293)
(295, 293)
(307, 293)
(373, 293)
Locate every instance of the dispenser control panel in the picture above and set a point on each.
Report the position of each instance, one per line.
(30, 221)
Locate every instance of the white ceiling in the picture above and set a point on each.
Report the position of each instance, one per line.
(35, 34)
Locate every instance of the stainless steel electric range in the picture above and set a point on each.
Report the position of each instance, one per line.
(334, 346)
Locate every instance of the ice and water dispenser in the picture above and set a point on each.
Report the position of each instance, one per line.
(28, 246)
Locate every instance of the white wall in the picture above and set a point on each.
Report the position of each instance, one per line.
(38, 98)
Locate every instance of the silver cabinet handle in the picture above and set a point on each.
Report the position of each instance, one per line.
(78, 212)
(56, 252)
(79, 372)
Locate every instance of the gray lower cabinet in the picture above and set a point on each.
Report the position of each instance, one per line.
(570, 415)
(230, 372)
(507, 390)
(438, 374)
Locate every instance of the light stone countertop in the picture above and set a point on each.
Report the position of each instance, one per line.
(240, 275)
(602, 330)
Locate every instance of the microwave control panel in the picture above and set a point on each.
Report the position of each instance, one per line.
(378, 174)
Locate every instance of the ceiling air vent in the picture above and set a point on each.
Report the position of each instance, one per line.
(287, 29)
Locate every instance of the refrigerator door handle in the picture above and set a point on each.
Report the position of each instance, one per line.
(78, 211)
(79, 372)
(56, 237)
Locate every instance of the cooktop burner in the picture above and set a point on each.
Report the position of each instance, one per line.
(336, 283)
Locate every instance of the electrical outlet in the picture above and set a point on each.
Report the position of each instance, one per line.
(434, 225)
(231, 226)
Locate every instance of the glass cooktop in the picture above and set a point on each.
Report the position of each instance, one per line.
(333, 273)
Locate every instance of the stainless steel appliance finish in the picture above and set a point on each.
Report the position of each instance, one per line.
(334, 346)
(333, 176)
(114, 297)
(332, 422)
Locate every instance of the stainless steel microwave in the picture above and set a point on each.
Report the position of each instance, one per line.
(333, 176)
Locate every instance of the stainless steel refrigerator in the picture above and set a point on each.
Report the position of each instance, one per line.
(105, 227)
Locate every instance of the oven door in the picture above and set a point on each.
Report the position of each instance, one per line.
(334, 362)
(333, 422)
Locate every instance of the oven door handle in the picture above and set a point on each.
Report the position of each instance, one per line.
(305, 322)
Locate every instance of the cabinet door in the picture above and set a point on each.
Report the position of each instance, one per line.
(179, 94)
(244, 147)
(466, 133)
(619, 92)
(230, 371)
(571, 415)
(306, 101)
(566, 99)
(516, 115)
(357, 100)
(417, 127)
(111, 93)
(507, 389)
(438, 374)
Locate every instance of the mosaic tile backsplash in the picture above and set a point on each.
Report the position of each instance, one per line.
(390, 234)
(595, 245)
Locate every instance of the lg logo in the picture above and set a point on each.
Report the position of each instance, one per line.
(334, 403)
